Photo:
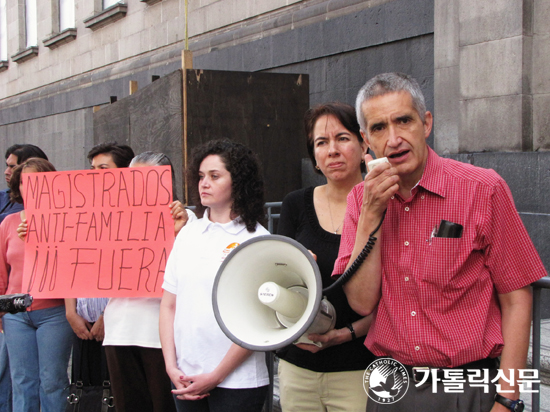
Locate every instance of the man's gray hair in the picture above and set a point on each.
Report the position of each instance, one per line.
(151, 158)
(389, 83)
(157, 159)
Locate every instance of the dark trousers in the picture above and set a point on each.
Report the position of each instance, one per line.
(139, 380)
(423, 398)
(226, 400)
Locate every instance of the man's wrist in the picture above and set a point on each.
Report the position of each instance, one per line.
(513, 405)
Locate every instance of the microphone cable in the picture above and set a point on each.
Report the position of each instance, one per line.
(346, 276)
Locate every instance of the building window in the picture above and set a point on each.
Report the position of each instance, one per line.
(31, 23)
(106, 12)
(63, 24)
(66, 14)
(3, 31)
(109, 3)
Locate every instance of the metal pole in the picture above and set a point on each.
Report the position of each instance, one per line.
(186, 25)
(535, 396)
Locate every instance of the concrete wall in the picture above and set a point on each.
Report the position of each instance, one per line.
(491, 91)
(340, 43)
(341, 53)
(491, 75)
(65, 137)
(540, 80)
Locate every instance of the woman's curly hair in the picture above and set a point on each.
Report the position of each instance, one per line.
(247, 185)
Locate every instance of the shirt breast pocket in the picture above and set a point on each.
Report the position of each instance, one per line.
(443, 258)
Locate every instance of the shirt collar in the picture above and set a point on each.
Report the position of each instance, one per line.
(235, 226)
(433, 178)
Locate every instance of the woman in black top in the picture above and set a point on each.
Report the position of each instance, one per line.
(330, 377)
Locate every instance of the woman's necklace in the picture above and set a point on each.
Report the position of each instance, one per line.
(331, 220)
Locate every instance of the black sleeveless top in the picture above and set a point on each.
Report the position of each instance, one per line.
(299, 221)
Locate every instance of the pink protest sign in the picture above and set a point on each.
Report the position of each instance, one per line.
(97, 233)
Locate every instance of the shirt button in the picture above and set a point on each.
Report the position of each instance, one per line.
(422, 197)
(413, 313)
(392, 197)
(406, 278)
(406, 243)
(407, 209)
(417, 348)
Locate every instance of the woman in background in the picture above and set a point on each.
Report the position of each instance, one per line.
(132, 343)
(330, 377)
(39, 340)
(207, 370)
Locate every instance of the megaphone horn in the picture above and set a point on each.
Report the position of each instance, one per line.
(268, 294)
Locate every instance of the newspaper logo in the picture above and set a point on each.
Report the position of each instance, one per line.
(387, 379)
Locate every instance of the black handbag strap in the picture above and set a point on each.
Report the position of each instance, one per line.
(107, 399)
(104, 370)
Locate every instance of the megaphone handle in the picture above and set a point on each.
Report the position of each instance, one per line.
(304, 339)
(357, 262)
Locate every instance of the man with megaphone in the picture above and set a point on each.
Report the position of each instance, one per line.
(448, 279)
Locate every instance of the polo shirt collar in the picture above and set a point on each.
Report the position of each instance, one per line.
(233, 227)
(433, 178)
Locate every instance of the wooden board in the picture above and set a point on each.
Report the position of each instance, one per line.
(262, 110)
(149, 119)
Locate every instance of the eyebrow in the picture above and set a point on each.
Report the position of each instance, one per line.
(209, 171)
(342, 133)
(404, 117)
(375, 125)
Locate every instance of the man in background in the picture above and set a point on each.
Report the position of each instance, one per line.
(15, 155)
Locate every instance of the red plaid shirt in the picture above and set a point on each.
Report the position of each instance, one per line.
(439, 304)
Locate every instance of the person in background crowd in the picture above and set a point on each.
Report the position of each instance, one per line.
(86, 315)
(38, 340)
(207, 370)
(330, 377)
(448, 287)
(132, 342)
(7, 207)
(15, 155)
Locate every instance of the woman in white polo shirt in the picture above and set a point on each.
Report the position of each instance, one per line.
(207, 370)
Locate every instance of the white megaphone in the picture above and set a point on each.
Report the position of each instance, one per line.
(268, 294)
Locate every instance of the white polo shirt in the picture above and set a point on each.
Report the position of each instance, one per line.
(198, 252)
